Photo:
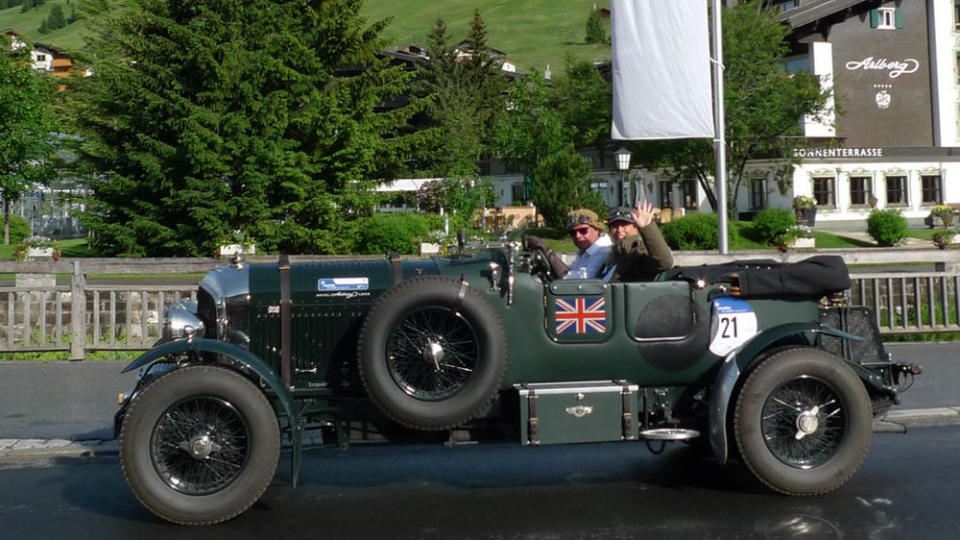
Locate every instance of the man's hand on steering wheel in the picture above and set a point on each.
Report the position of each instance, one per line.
(554, 267)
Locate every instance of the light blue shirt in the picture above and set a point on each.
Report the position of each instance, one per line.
(588, 262)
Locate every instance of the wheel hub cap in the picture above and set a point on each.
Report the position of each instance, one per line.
(807, 424)
(200, 447)
(433, 353)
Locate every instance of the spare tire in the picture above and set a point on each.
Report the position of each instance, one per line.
(432, 353)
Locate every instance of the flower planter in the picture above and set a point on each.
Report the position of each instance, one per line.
(40, 253)
(429, 248)
(803, 243)
(227, 250)
(809, 215)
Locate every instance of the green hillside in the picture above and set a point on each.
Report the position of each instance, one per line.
(28, 24)
(532, 32)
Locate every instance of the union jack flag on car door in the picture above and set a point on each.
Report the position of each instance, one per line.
(581, 315)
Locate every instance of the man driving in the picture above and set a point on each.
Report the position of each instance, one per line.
(593, 246)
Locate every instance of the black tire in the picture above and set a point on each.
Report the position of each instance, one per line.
(432, 353)
(199, 445)
(803, 422)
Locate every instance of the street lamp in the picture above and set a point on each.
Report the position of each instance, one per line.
(623, 164)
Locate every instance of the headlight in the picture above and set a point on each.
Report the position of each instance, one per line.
(182, 321)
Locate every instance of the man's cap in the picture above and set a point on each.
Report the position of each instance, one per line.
(621, 213)
(583, 216)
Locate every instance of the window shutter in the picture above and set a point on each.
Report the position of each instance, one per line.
(874, 18)
(899, 19)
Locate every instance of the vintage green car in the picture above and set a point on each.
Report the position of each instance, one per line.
(761, 362)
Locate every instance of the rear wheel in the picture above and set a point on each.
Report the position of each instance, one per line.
(803, 422)
(199, 445)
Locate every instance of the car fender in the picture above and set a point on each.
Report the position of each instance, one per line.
(737, 362)
(244, 357)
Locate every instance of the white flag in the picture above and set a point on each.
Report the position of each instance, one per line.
(661, 69)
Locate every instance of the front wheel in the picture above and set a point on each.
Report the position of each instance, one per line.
(199, 445)
(803, 422)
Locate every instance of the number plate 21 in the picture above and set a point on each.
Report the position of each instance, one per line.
(732, 324)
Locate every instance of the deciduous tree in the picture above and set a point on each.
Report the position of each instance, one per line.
(764, 106)
(534, 135)
(27, 127)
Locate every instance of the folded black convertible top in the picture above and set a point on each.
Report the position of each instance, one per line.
(816, 276)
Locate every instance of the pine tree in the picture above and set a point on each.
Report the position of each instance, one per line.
(56, 20)
(4, 4)
(596, 28)
(207, 117)
(465, 99)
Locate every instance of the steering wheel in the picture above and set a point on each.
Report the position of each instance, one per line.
(540, 266)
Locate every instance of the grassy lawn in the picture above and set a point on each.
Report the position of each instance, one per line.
(28, 24)
(74, 247)
(923, 234)
(533, 33)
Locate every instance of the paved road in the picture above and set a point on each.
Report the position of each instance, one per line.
(906, 488)
(76, 400)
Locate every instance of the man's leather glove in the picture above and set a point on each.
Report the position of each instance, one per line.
(556, 263)
(534, 243)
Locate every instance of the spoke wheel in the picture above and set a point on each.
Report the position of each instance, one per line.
(200, 445)
(432, 353)
(803, 422)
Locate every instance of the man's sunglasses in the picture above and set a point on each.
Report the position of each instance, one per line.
(578, 220)
(580, 231)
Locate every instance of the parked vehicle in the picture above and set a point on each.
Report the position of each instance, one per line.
(762, 361)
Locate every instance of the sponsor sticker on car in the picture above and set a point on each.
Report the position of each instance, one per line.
(343, 284)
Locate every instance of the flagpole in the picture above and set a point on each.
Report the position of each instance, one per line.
(720, 140)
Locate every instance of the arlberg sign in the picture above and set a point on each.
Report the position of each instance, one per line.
(837, 152)
(895, 67)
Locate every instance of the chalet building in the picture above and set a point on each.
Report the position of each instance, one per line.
(893, 66)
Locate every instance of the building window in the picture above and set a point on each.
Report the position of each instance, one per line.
(666, 194)
(897, 190)
(823, 192)
(860, 192)
(41, 58)
(786, 4)
(600, 188)
(516, 193)
(690, 194)
(758, 194)
(930, 189)
(886, 18)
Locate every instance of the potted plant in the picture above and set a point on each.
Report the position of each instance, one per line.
(36, 247)
(941, 215)
(802, 238)
(806, 209)
(946, 237)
